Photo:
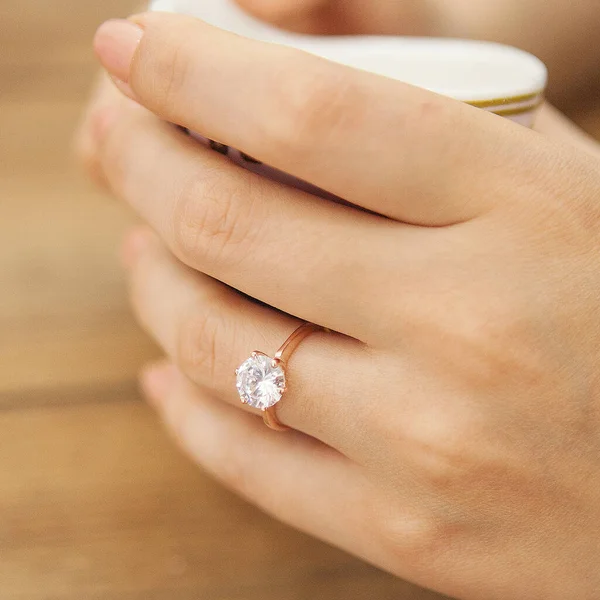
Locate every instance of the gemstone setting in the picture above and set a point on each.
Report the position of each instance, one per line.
(260, 381)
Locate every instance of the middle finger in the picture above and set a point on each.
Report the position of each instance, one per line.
(282, 246)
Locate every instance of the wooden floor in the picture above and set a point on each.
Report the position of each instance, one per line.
(95, 503)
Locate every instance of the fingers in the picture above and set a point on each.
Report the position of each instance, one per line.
(276, 244)
(290, 476)
(208, 329)
(316, 120)
(410, 17)
(103, 101)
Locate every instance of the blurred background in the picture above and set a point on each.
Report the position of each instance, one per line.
(95, 502)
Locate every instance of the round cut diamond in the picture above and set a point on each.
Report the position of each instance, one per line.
(260, 381)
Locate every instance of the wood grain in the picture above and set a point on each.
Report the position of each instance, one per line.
(102, 506)
(95, 503)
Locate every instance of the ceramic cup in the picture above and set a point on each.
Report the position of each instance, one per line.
(493, 77)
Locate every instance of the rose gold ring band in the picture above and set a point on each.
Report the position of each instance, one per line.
(282, 356)
(262, 380)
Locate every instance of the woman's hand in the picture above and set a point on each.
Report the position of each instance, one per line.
(562, 33)
(449, 431)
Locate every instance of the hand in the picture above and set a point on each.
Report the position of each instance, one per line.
(562, 33)
(449, 432)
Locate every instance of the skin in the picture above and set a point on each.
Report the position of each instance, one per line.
(448, 431)
(563, 34)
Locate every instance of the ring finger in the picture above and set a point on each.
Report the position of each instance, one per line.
(209, 329)
(279, 245)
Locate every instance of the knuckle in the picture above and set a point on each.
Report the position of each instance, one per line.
(116, 154)
(484, 344)
(408, 535)
(199, 344)
(447, 446)
(311, 107)
(214, 219)
(445, 451)
(414, 537)
(498, 346)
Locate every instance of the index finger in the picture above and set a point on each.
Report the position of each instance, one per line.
(386, 146)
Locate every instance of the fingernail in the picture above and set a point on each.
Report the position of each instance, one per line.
(134, 244)
(157, 381)
(115, 43)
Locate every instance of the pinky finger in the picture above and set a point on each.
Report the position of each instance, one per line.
(291, 476)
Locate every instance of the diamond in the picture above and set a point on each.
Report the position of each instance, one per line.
(260, 381)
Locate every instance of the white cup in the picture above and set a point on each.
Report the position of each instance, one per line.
(497, 78)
